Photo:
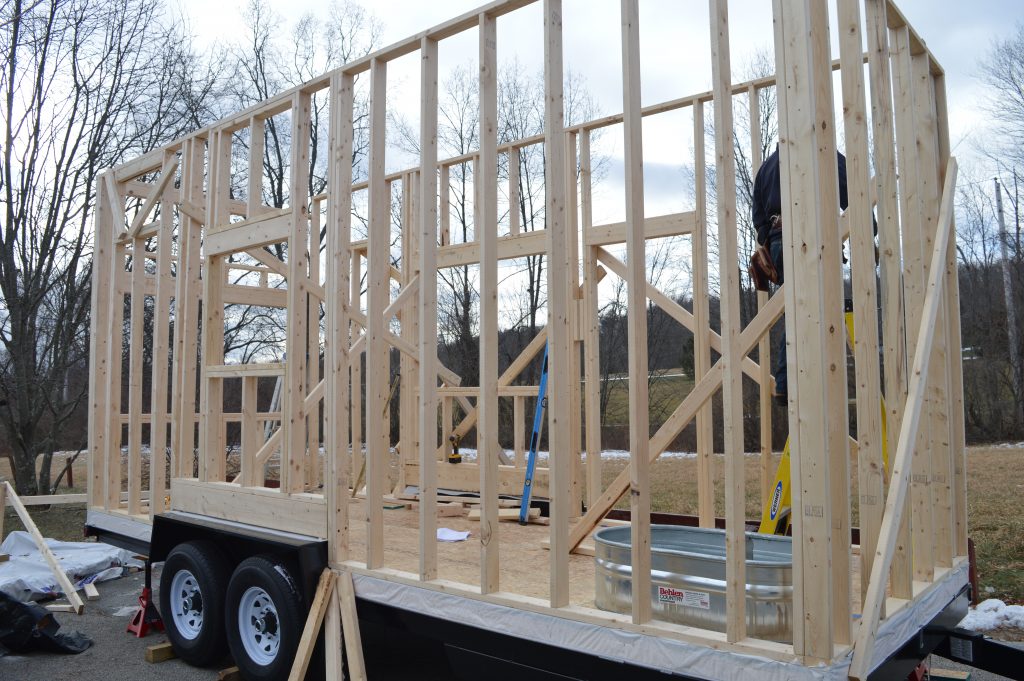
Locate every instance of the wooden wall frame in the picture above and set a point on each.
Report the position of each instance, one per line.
(173, 207)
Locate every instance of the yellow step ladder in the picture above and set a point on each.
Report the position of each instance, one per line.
(776, 516)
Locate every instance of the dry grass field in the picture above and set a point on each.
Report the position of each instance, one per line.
(995, 507)
(995, 498)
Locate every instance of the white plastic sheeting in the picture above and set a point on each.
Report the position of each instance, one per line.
(897, 630)
(27, 575)
(646, 650)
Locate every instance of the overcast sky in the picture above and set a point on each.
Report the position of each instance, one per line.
(674, 34)
(675, 59)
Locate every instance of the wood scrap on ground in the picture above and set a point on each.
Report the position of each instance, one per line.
(60, 607)
(161, 652)
(456, 499)
(448, 510)
(91, 592)
(584, 549)
(508, 514)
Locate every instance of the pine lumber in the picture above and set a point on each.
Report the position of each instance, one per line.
(161, 652)
(506, 514)
(450, 510)
(62, 579)
(324, 591)
(346, 598)
(91, 592)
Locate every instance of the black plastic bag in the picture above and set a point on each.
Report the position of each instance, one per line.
(26, 627)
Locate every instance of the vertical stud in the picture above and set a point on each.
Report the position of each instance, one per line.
(377, 349)
(732, 357)
(636, 288)
(559, 336)
(337, 305)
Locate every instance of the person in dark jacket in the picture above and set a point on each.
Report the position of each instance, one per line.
(769, 223)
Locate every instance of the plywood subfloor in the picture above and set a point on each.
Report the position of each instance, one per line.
(525, 562)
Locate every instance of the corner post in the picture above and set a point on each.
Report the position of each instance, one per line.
(427, 406)
(559, 332)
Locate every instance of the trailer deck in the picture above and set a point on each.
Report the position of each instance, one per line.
(523, 611)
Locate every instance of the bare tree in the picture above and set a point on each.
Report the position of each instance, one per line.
(761, 65)
(458, 134)
(270, 58)
(977, 232)
(992, 398)
(520, 99)
(523, 296)
(85, 83)
(1003, 71)
(266, 64)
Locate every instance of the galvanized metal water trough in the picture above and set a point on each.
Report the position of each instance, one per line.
(688, 578)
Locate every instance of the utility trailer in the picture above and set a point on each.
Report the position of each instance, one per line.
(185, 229)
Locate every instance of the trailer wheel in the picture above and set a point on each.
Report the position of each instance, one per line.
(264, 618)
(192, 585)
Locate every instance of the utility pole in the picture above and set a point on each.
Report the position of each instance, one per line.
(1011, 312)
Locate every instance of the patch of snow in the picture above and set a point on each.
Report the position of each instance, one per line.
(993, 614)
(1011, 445)
(469, 454)
(624, 454)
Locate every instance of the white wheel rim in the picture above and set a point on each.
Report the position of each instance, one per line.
(186, 604)
(258, 626)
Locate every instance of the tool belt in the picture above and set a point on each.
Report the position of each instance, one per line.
(761, 268)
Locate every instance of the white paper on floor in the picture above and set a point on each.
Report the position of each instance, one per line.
(992, 614)
(27, 576)
(445, 534)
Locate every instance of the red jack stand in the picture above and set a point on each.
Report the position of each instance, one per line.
(146, 617)
(920, 672)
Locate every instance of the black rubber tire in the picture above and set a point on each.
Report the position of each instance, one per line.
(207, 564)
(274, 576)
